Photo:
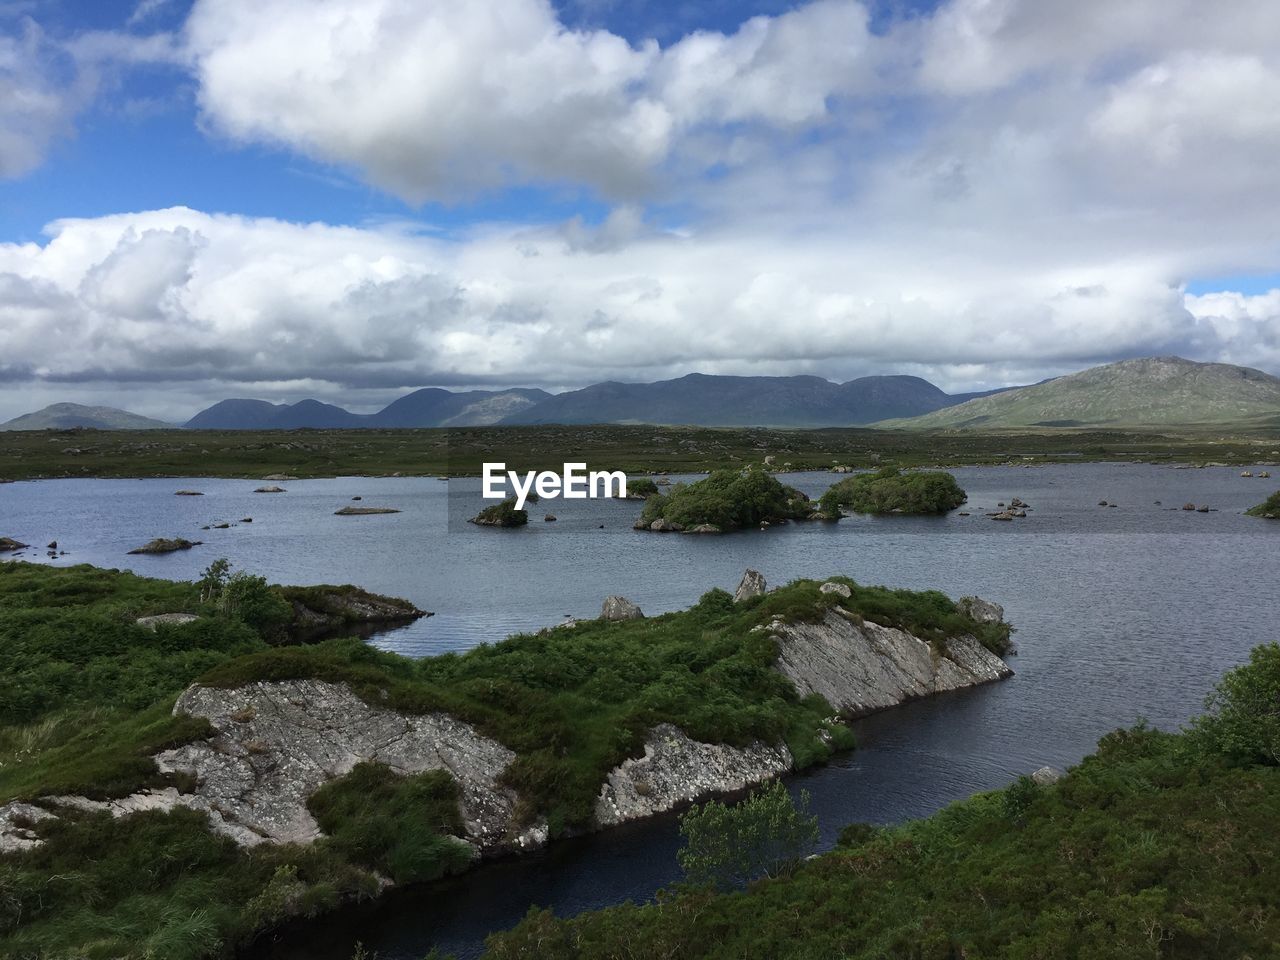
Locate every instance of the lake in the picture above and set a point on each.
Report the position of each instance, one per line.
(1122, 613)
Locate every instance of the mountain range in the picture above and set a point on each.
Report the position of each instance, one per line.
(1151, 392)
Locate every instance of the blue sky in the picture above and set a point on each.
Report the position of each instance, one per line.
(351, 198)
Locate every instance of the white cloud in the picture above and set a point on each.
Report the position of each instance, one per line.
(37, 102)
(430, 100)
(224, 305)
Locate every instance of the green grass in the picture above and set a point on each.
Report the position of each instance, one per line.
(890, 490)
(1158, 846)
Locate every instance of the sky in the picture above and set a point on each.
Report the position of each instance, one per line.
(350, 199)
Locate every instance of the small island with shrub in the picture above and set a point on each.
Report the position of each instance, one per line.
(725, 500)
(1269, 509)
(890, 490)
(502, 514)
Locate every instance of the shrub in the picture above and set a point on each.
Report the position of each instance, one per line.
(767, 834)
(1242, 718)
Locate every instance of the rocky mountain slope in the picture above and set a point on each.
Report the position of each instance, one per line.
(1151, 392)
(65, 416)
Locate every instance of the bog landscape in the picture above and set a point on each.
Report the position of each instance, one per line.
(206, 753)
(639, 480)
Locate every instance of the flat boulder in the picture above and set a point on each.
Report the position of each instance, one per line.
(750, 586)
(619, 608)
(270, 489)
(363, 511)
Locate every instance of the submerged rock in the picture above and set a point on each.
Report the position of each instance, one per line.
(676, 770)
(751, 585)
(619, 608)
(363, 511)
(270, 489)
(187, 493)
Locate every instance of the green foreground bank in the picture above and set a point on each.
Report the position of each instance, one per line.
(1159, 846)
(86, 698)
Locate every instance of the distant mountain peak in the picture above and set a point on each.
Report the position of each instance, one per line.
(65, 416)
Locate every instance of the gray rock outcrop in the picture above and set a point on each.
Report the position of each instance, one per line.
(839, 589)
(751, 585)
(984, 611)
(676, 770)
(1047, 776)
(619, 608)
(16, 819)
(861, 667)
(166, 619)
(278, 742)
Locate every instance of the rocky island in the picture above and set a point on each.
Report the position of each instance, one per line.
(308, 773)
(890, 490)
(725, 500)
(1269, 509)
(502, 514)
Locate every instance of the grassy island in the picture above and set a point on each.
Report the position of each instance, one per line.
(1269, 508)
(1159, 845)
(502, 514)
(723, 501)
(890, 490)
(86, 697)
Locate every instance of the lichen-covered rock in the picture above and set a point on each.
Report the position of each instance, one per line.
(676, 770)
(278, 742)
(619, 608)
(16, 819)
(1047, 776)
(984, 611)
(751, 585)
(861, 667)
(839, 589)
(166, 619)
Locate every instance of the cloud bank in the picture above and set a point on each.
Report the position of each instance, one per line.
(993, 192)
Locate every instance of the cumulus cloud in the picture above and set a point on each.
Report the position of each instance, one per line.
(432, 99)
(222, 305)
(996, 191)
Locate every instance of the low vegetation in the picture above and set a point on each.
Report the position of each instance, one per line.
(727, 500)
(86, 696)
(634, 449)
(890, 490)
(1269, 508)
(1159, 845)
